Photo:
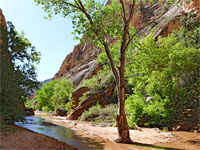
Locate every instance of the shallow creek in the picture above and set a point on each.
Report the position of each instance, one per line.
(58, 128)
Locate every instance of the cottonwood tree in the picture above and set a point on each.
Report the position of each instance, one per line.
(101, 23)
(18, 59)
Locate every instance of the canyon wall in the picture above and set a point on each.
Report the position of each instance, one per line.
(82, 62)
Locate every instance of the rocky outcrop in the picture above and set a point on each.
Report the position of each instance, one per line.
(77, 94)
(2, 19)
(81, 64)
(103, 97)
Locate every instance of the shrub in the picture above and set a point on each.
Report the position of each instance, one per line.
(97, 82)
(100, 114)
(29, 103)
(153, 113)
(54, 94)
(165, 71)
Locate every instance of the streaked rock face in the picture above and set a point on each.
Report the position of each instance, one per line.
(81, 63)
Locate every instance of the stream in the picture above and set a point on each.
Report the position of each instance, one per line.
(44, 127)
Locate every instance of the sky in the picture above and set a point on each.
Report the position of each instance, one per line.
(52, 38)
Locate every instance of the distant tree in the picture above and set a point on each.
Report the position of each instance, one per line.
(55, 94)
(102, 23)
(18, 76)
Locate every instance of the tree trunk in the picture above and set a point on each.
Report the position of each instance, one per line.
(122, 124)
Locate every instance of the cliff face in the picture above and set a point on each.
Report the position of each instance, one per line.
(2, 19)
(81, 63)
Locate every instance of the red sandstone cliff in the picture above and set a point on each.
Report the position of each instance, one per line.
(2, 19)
(81, 63)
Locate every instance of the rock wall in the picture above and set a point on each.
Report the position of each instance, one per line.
(82, 64)
(2, 19)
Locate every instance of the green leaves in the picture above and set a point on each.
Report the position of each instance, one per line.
(165, 71)
(18, 75)
(54, 94)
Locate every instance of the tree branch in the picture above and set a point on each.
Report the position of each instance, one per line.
(126, 28)
(72, 5)
(112, 64)
(123, 10)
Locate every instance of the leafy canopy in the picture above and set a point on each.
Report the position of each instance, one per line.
(54, 94)
(165, 72)
(18, 76)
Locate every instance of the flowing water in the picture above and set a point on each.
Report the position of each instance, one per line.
(41, 126)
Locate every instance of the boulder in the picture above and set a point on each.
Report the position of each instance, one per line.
(29, 112)
(60, 112)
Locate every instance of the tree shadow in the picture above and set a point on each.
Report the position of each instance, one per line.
(194, 142)
(88, 143)
(155, 146)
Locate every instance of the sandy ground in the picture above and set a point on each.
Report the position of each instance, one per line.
(24, 139)
(145, 135)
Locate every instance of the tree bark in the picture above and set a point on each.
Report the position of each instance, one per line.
(122, 124)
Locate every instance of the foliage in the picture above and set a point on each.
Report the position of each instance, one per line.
(162, 71)
(54, 94)
(82, 98)
(24, 57)
(91, 83)
(99, 81)
(100, 114)
(18, 76)
(29, 103)
(190, 30)
(5, 128)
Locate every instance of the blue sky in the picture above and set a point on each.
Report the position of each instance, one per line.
(52, 38)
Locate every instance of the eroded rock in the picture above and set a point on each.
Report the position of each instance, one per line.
(77, 94)
(60, 112)
(103, 97)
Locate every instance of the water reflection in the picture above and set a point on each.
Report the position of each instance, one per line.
(41, 126)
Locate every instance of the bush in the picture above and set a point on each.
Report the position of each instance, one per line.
(55, 94)
(164, 70)
(153, 113)
(29, 103)
(100, 114)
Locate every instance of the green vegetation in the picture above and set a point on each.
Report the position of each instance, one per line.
(98, 114)
(164, 79)
(99, 81)
(54, 94)
(5, 128)
(29, 103)
(18, 76)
